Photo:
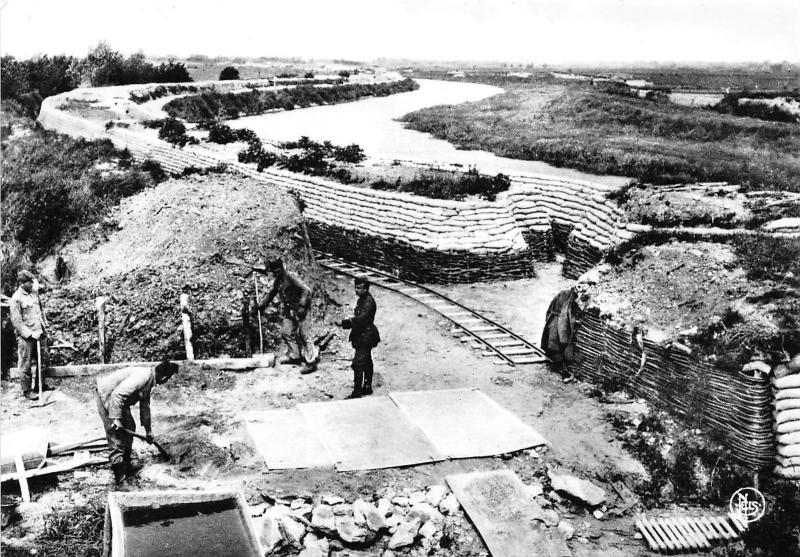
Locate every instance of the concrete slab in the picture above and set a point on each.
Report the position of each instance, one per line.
(368, 433)
(285, 440)
(506, 517)
(465, 423)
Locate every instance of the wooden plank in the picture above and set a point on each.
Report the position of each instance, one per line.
(652, 538)
(665, 536)
(22, 478)
(499, 505)
(232, 364)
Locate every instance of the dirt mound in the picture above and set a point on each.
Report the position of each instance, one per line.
(173, 240)
(695, 293)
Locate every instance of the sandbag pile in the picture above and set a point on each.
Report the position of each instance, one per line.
(786, 388)
(585, 223)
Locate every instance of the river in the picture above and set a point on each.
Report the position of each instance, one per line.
(371, 124)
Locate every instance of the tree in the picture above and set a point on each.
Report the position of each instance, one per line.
(229, 73)
(104, 65)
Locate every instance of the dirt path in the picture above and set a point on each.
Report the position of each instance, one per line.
(198, 417)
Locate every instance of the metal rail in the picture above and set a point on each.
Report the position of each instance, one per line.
(499, 341)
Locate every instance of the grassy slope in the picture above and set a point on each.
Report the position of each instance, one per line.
(580, 126)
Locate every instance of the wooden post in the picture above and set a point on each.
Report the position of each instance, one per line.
(187, 326)
(100, 304)
(258, 308)
(248, 341)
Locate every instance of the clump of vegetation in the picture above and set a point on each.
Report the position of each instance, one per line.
(173, 131)
(732, 104)
(224, 134)
(583, 127)
(52, 183)
(30, 81)
(449, 185)
(228, 73)
(140, 97)
(77, 531)
(208, 105)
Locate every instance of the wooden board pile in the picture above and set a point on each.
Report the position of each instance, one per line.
(736, 406)
(786, 388)
(689, 533)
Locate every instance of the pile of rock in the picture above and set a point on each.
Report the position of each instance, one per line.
(316, 525)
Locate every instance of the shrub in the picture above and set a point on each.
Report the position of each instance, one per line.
(173, 131)
(50, 184)
(220, 133)
(351, 154)
(154, 169)
(229, 73)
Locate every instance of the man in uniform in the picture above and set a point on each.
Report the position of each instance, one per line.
(295, 298)
(364, 336)
(30, 325)
(116, 392)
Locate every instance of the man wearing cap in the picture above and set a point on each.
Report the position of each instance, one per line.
(30, 324)
(116, 392)
(364, 336)
(295, 297)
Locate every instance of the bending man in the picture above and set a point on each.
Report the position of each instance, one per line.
(116, 392)
(295, 298)
(364, 336)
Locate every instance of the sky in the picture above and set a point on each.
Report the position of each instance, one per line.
(516, 31)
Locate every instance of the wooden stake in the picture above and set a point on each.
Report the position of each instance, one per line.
(100, 304)
(187, 326)
(258, 307)
(248, 341)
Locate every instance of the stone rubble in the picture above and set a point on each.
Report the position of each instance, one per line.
(414, 522)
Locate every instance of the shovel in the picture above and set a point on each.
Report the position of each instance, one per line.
(164, 454)
(40, 374)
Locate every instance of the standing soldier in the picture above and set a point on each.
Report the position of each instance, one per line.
(364, 336)
(31, 326)
(295, 298)
(116, 392)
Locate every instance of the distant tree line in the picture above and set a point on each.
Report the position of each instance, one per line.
(30, 81)
(211, 105)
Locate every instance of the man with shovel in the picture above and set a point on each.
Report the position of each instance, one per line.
(30, 324)
(116, 392)
(295, 297)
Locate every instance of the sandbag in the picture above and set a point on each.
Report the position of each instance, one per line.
(782, 371)
(789, 427)
(789, 451)
(788, 382)
(792, 473)
(787, 404)
(784, 416)
(791, 462)
(789, 438)
(783, 394)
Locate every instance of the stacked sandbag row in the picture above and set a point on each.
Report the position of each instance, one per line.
(735, 406)
(786, 389)
(418, 238)
(585, 222)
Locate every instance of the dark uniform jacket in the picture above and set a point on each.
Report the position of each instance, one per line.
(364, 333)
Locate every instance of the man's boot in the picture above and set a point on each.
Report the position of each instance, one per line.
(30, 395)
(119, 470)
(367, 388)
(288, 360)
(354, 394)
(308, 368)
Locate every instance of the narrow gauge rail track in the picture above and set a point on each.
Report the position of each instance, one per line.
(495, 339)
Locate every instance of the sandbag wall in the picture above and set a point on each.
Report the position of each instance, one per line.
(787, 425)
(735, 406)
(422, 239)
(585, 223)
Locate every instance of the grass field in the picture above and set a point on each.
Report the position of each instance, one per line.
(601, 130)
